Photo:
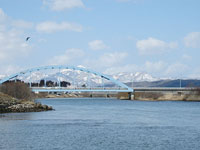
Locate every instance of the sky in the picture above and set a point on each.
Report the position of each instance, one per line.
(159, 37)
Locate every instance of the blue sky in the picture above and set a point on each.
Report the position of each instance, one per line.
(161, 38)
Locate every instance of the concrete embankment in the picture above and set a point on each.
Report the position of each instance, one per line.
(9, 104)
(153, 96)
(167, 94)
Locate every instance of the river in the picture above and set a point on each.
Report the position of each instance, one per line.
(104, 124)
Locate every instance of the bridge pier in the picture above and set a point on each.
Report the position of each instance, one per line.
(125, 95)
(45, 83)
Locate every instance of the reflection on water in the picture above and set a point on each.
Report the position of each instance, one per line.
(103, 124)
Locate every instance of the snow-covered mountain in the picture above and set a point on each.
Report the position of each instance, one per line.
(80, 78)
(2, 76)
(133, 77)
(75, 77)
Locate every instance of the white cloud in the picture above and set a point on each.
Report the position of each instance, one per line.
(123, 0)
(124, 68)
(12, 42)
(12, 46)
(129, 0)
(97, 45)
(3, 20)
(106, 61)
(59, 5)
(192, 40)
(159, 69)
(186, 57)
(164, 69)
(111, 59)
(49, 27)
(22, 24)
(155, 67)
(42, 40)
(70, 56)
(154, 46)
(9, 69)
(176, 69)
(6, 21)
(195, 74)
(3, 16)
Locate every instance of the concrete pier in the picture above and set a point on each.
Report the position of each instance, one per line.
(125, 95)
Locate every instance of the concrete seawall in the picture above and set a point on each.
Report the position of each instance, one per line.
(182, 94)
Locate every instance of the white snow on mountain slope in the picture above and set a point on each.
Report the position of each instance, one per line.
(2, 76)
(80, 77)
(33, 77)
(133, 77)
(75, 77)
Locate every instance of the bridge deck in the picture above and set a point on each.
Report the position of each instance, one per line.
(61, 89)
(163, 89)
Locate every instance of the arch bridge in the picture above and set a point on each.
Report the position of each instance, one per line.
(121, 87)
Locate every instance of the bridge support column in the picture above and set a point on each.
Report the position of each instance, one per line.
(125, 95)
(103, 83)
(45, 83)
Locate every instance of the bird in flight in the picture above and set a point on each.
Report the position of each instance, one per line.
(27, 38)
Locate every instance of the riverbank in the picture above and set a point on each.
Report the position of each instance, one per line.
(9, 104)
(166, 96)
(143, 96)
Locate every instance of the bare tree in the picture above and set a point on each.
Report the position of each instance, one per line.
(17, 90)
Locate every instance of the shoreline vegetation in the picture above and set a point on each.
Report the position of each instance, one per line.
(17, 97)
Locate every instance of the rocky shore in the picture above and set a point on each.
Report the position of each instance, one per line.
(9, 104)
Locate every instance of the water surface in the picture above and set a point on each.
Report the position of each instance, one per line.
(109, 124)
